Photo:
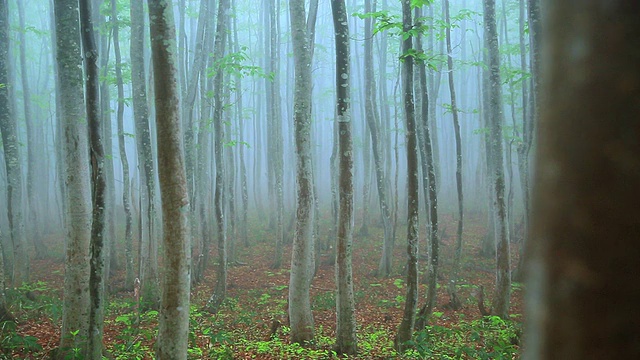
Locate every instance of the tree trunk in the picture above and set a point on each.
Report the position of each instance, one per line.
(346, 341)
(496, 118)
(405, 330)
(11, 146)
(431, 195)
(75, 318)
(454, 302)
(300, 316)
(220, 290)
(32, 196)
(384, 267)
(174, 309)
(582, 298)
(98, 183)
(148, 271)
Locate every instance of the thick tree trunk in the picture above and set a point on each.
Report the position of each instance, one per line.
(75, 318)
(300, 316)
(582, 298)
(174, 308)
(405, 330)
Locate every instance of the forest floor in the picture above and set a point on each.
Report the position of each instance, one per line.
(252, 322)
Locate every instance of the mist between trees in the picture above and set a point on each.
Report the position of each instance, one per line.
(175, 157)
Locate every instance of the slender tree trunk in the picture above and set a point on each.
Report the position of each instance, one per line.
(300, 316)
(276, 130)
(105, 114)
(454, 302)
(346, 341)
(75, 318)
(431, 195)
(583, 291)
(126, 181)
(405, 330)
(32, 196)
(148, 271)
(220, 290)
(384, 267)
(496, 118)
(11, 147)
(174, 309)
(98, 183)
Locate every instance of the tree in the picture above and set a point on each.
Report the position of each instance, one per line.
(174, 307)
(496, 119)
(583, 291)
(32, 195)
(431, 193)
(346, 341)
(405, 330)
(220, 290)
(300, 316)
(126, 181)
(8, 127)
(384, 267)
(98, 183)
(75, 318)
(454, 302)
(149, 249)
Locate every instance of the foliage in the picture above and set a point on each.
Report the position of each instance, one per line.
(11, 341)
(486, 338)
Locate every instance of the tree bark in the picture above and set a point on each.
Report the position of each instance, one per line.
(405, 330)
(173, 329)
(75, 318)
(300, 316)
(431, 195)
(384, 267)
(454, 302)
(98, 183)
(346, 341)
(502, 292)
(582, 298)
(11, 146)
(148, 271)
(220, 290)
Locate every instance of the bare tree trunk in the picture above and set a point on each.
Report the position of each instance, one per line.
(582, 298)
(126, 181)
(174, 310)
(384, 267)
(300, 316)
(276, 130)
(405, 330)
(98, 183)
(502, 293)
(75, 318)
(454, 302)
(346, 341)
(148, 271)
(431, 193)
(32, 196)
(11, 146)
(220, 290)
